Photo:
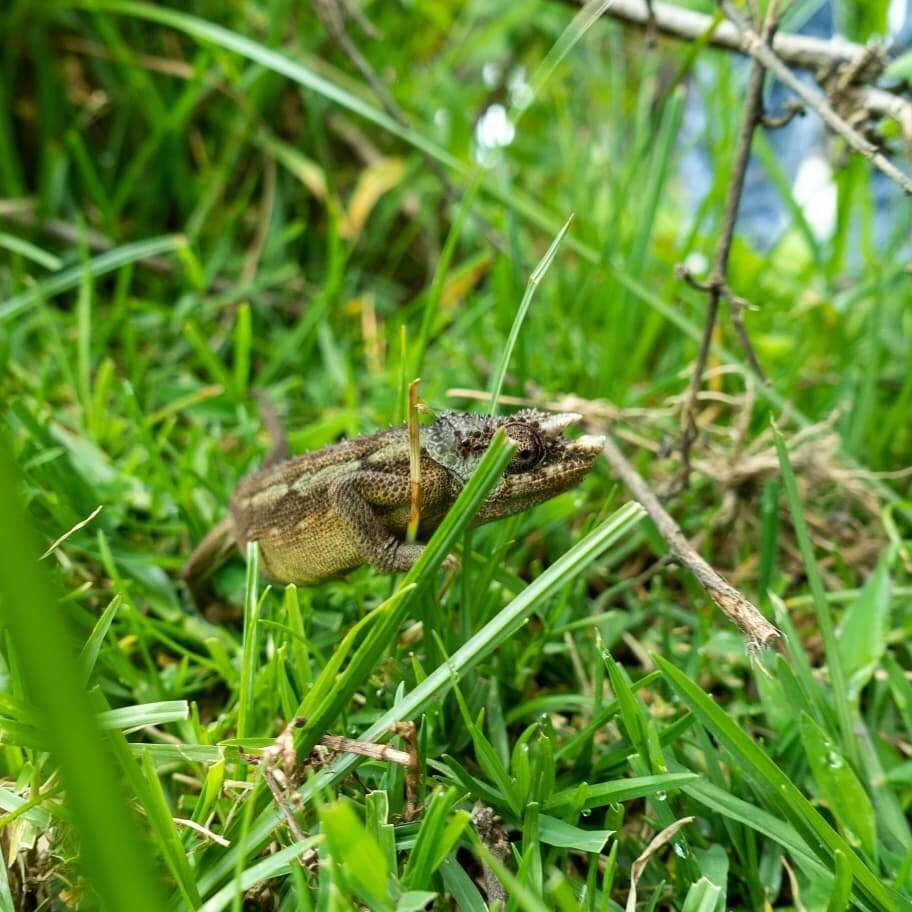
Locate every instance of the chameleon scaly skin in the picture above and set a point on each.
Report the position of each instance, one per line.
(324, 513)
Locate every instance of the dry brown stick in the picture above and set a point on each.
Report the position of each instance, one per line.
(494, 838)
(366, 749)
(759, 49)
(759, 631)
(753, 112)
(281, 801)
(408, 731)
(819, 55)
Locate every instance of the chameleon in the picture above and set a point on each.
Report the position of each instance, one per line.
(319, 515)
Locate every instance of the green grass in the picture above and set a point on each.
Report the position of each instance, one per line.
(204, 200)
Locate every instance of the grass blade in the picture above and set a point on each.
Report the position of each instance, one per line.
(780, 791)
(821, 606)
(110, 846)
(534, 280)
(101, 265)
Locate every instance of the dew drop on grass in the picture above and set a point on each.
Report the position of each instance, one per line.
(661, 796)
(679, 850)
(834, 760)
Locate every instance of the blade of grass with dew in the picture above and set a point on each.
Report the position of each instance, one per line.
(534, 280)
(838, 681)
(109, 838)
(482, 644)
(603, 793)
(97, 266)
(780, 791)
(722, 801)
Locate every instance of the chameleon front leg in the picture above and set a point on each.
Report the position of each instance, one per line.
(353, 497)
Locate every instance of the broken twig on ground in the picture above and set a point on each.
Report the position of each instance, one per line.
(822, 56)
(716, 285)
(759, 631)
(758, 48)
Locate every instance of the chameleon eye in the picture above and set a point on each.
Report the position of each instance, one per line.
(530, 448)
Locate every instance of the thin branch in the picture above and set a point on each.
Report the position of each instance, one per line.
(366, 749)
(280, 799)
(737, 305)
(759, 631)
(755, 45)
(494, 838)
(820, 55)
(753, 112)
(792, 110)
(203, 831)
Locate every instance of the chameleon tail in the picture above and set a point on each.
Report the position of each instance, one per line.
(279, 450)
(209, 555)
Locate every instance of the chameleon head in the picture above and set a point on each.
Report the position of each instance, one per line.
(545, 462)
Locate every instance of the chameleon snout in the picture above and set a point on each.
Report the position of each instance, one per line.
(587, 445)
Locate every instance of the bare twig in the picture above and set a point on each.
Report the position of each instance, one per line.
(81, 524)
(820, 55)
(792, 110)
(366, 749)
(737, 305)
(759, 631)
(203, 831)
(494, 838)
(753, 111)
(409, 733)
(758, 48)
(282, 750)
(269, 777)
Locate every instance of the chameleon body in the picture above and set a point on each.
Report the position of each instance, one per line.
(324, 513)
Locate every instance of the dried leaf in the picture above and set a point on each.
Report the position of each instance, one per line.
(375, 180)
(658, 841)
